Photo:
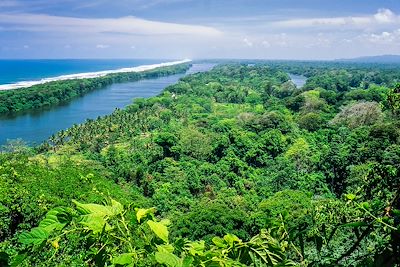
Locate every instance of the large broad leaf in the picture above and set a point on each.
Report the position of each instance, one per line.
(219, 242)
(142, 213)
(92, 208)
(123, 259)
(95, 216)
(55, 219)
(230, 239)
(116, 207)
(35, 237)
(95, 223)
(100, 210)
(168, 259)
(160, 229)
(196, 248)
(166, 248)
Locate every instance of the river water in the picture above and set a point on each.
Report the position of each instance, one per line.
(298, 80)
(36, 126)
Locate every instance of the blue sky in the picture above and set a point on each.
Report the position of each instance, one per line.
(271, 29)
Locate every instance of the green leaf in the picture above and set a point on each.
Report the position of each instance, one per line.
(116, 207)
(219, 242)
(52, 220)
(142, 213)
(35, 237)
(264, 255)
(365, 205)
(188, 262)
(95, 223)
(350, 196)
(17, 261)
(92, 208)
(196, 248)
(100, 210)
(95, 216)
(168, 259)
(230, 239)
(354, 224)
(64, 217)
(123, 259)
(166, 248)
(159, 229)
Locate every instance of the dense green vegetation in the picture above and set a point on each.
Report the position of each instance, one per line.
(54, 93)
(233, 167)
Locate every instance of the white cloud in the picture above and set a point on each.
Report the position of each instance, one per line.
(267, 36)
(124, 25)
(247, 42)
(266, 44)
(386, 16)
(102, 46)
(26, 46)
(385, 37)
(383, 16)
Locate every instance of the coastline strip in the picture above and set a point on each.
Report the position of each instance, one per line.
(89, 75)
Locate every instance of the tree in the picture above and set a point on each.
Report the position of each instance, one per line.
(167, 141)
(358, 114)
(393, 99)
(311, 121)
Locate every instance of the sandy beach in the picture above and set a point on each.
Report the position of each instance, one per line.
(89, 75)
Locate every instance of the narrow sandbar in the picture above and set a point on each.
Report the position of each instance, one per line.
(89, 75)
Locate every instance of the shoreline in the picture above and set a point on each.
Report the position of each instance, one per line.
(89, 75)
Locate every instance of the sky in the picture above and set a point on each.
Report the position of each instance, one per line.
(196, 29)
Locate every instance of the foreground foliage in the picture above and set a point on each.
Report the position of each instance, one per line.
(115, 239)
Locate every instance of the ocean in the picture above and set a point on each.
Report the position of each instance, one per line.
(14, 71)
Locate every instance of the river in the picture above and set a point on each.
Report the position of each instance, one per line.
(298, 80)
(36, 126)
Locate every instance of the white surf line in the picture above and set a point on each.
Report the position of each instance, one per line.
(89, 75)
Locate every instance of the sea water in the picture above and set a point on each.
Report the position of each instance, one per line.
(14, 71)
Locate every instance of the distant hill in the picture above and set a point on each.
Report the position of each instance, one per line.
(374, 59)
